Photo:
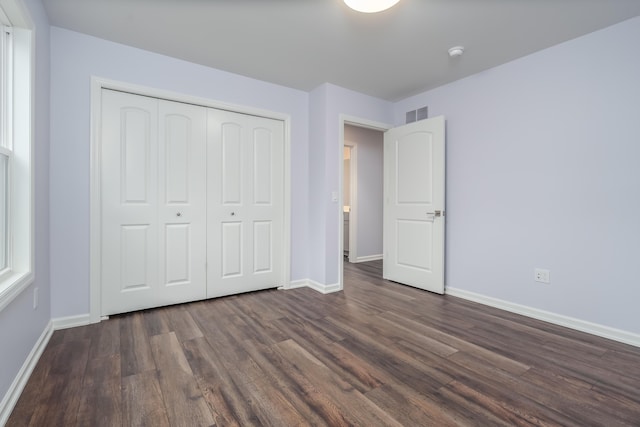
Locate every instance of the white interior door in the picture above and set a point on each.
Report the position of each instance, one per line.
(414, 183)
(153, 164)
(245, 203)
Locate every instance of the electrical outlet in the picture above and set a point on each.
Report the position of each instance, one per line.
(35, 298)
(541, 275)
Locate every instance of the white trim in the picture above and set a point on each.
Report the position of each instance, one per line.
(343, 120)
(286, 217)
(17, 13)
(18, 283)
(21, 216)
(97, 84)
(95, 202)
(71, 321)
(368, 258)
(353, 201)
(316, 286)
(324, 289)
(15, 390)
(557, 319)
(295, 284)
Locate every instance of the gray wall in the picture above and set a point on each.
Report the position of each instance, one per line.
(75, 59)
(542, 171)
(20, 324)
(327, 105)
(369, 145)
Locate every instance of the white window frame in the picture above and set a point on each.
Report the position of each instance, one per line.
(18, 136)
(6, 141)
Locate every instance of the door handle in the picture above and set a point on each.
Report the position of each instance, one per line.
(437, 213)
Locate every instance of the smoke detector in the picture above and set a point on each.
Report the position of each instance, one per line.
(456, 51)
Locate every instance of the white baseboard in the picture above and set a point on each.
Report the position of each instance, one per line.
(368, 258)
(323, 289)
(557, 319)
(303, 283)
(71, 321)
(15, 390)
(316, 286)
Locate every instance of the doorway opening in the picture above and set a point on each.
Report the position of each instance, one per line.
(362, 186)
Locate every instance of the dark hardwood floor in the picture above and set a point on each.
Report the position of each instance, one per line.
(377, 354)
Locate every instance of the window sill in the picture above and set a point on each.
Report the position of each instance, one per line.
(12, 285)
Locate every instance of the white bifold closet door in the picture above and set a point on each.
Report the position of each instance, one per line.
(192, 202)
(153, 196)
(244, 202)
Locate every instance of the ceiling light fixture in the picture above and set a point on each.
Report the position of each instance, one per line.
(370, 6)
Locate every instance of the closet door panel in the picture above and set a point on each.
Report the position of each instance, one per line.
(245, 188)
(231, 167)
(262, 247)
(231, 249)
(182, 207)
(129, 195)
(153, 189)
(263, 173)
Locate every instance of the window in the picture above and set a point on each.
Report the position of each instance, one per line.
(4, 217)
(5, 141)
(16, 194)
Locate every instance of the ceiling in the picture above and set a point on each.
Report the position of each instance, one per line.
(304, 43)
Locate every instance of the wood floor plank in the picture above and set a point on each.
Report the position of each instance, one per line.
(105, 339)
(33, 394)
(506, 407)
(100, 407)
(181, 323)
(227, 342)
(156, 321)
(143, 404)
(270, 406)
(135, 348)
(421, 326)
(310, 402)
(218, 384)
(183, 399)
(579, 399)
(410, 408)
(343, 398)
(387, 357)
(101, 396)
(343, 363)
(378, 353)
(60, 397)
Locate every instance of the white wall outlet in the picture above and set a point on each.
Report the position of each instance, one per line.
(541, 275)
(35, 298)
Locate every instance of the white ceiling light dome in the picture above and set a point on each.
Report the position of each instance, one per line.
(370, 6)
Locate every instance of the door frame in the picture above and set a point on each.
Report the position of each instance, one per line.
(353, 200)
(95, 219)
(343, 120)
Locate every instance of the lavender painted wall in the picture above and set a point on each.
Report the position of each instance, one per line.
(327, 103)
(319, 197)
(75, 59)
(370, 170)
(20, 324)
(542, 171)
